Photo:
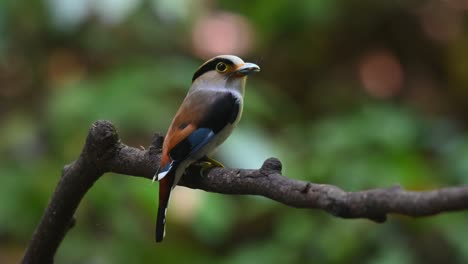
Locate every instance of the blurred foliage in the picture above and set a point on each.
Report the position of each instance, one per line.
(360, 94)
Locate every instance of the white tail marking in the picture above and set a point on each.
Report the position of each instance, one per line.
(162, 175)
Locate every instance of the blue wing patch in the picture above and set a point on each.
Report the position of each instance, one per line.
(199, 138)
(190, 145)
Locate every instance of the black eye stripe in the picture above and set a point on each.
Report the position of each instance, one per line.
(210, 66)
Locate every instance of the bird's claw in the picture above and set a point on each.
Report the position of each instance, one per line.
(208, 163)
(213, 162)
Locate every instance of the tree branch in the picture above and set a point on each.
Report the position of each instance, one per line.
(104, 152)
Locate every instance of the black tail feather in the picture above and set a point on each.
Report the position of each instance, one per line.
(160, 224)
(165, 188)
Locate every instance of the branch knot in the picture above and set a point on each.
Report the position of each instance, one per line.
(101, 144)
(271, 165)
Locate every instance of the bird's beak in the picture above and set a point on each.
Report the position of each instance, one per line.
(247, 68)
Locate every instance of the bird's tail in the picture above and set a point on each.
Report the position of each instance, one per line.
(165, 188)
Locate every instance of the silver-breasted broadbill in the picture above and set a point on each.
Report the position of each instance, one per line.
(206, 117)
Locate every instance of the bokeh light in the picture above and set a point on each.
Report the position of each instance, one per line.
(441, 22)
(381, 74)
(222, 33)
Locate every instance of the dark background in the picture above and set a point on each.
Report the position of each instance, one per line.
(360, 94)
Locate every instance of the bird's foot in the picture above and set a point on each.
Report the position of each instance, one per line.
(213, 162)
(208, 163)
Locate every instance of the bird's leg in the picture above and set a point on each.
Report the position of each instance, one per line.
(208, 163)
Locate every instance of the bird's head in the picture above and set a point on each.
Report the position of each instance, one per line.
(224, 71)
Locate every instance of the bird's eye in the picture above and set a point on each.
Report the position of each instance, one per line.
(221, 67)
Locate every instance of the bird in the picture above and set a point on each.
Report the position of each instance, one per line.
(207, 116)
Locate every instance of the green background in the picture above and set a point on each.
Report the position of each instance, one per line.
(359, 94)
